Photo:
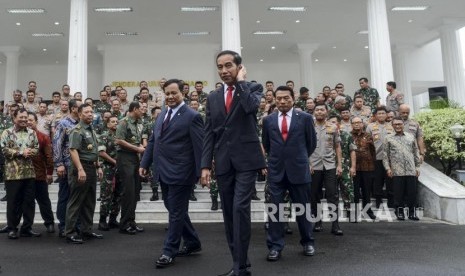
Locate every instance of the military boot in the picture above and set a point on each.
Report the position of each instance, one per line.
(103, 225)
(113, 223)
(154, 195)
(214, 204)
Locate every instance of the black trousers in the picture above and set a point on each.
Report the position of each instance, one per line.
(363, 181)
(176, 201)
(20, 201)
(235, 189)
(379, 179)
(43, 200)
(328, 180)
(299, 195)
(128, 166)
(405, 187)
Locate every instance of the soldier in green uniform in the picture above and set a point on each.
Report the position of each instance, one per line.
(82, 178)
(348, 147)
(116, 109)
(128, 146)
(109, 200)
(301, 102)
(102, 106)
(6, 122)
(370, 95)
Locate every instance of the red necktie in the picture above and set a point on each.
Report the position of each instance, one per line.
(284, 127)
(229, 98)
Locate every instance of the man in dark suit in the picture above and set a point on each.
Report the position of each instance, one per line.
(289, 139)
(231, 139)
(174, 150)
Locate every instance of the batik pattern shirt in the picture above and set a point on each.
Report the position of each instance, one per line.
(13, 143)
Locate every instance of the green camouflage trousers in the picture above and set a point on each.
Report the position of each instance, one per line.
(346, 187)
(109, 200)
(213, 186)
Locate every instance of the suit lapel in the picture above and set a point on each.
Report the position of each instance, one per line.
(294, 121)
(175, 116)
(276, 126)
(159, 123)
(235, 101)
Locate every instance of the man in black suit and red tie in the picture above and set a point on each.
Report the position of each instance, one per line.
(231, 139)
(289, 138)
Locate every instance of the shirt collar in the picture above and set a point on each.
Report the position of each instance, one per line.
(289, 113)
(177, 107)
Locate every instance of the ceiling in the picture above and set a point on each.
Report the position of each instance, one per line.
(330, 23)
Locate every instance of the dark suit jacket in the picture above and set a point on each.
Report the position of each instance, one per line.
(232, 139)
(176, 154)
(290, 156)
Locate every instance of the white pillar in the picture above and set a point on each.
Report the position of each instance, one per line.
(77, 49)
(11, 73)
(231, 30)
(380, 46)
(452, 64)
(402, 77)
(306, 65)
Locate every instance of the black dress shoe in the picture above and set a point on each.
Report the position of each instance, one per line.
(113, 223)
(103, 226)
(336, 230)
(309, 250)
(400, 215)
(192, 197)
(231, 273)
(13, 235)
(91, 235)
(75, 239)
(5, 229)
(273, 256)
(50, 228)
(128, 231)
(414, 218)
(164, 261)
(288, 230)
(29, 233)
(371, 215)
(318, 226)
(138, 228)
(61, 234)
(255, 197)
(186, 251)
(3, 198)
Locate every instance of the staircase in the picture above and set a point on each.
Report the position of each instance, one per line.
(199, 211)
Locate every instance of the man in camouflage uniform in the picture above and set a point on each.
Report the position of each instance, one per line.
(379, 130)
(6, 122)
(370, 95)
(340, 91)
(109, 200)
(302, 100)
(116, 109)
(345, 124)
(394, 99)
(102, 106)
(346, 185)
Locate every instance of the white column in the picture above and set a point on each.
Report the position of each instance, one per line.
(452, 64)
(306, 65)
(231, 30)
(402, 77)
(77, 53)
(380, 47)
(11, 73)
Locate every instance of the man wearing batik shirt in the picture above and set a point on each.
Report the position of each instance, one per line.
(365, 165)
(43, 167)
(19, 144)
(402, 162)
(64, 112)
(62, 160)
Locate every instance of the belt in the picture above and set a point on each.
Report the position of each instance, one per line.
(87, 162)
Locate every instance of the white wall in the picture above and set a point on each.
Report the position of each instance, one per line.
(425, 63)
(152, 62)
